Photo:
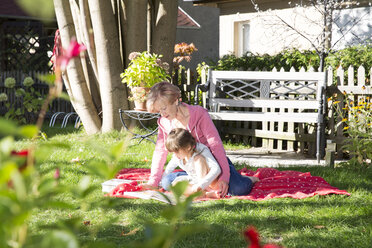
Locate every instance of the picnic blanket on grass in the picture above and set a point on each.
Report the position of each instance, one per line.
(273, 184)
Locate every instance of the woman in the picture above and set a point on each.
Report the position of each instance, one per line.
(164, 99)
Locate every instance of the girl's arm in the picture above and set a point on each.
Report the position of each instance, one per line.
(202, 165)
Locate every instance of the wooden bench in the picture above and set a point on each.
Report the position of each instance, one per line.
(253, 96)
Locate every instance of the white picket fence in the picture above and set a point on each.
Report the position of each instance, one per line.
(300, 137)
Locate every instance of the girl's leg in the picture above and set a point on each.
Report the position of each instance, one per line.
(238, 185)
(166, 181)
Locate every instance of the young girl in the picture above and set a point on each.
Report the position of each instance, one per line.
(198, 162)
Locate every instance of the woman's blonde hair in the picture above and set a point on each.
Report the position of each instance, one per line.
(179, 138)
(165, 90)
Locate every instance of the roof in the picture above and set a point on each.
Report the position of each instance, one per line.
(359, 3)
(185, 21)
(10, 9)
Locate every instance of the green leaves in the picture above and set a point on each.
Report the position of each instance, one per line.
(31, 102)
(8, 127)
(145, 70)
(165, 235)
(117, 150)
(28, 131)
(60, 239)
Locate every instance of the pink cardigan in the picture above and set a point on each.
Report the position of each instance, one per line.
(203, 130)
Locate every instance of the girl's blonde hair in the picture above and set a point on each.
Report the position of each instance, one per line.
(179, 138)
(165, 90)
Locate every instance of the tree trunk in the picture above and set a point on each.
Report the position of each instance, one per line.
(109, 63)
(136, 26)
(163, 40)
(78, 89)
(110, 30)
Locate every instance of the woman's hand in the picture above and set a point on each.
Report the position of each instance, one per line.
(147, 186)
(223, 187)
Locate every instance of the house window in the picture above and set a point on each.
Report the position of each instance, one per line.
(242, 38)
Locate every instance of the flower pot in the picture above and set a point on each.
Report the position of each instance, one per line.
(139, 95)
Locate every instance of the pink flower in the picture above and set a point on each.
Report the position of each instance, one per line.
(62, 56)
(74, 49)
(56, 174)
(133, 55)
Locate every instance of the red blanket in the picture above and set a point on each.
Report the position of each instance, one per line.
(273, 183)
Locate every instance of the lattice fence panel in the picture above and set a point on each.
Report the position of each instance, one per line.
(24, 47)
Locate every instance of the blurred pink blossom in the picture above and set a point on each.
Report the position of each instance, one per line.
(56, 173)
(62, 56)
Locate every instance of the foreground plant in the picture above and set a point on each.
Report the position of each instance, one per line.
(159, 235)
(26, 189)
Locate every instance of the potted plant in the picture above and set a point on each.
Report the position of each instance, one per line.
(144, 70)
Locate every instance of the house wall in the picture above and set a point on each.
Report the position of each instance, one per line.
(269, 34)
(205, 38)
(358, 34)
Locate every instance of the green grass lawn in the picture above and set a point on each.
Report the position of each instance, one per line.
(320, 221)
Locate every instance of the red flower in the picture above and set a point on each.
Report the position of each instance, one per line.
(251, 235)
(21, 154)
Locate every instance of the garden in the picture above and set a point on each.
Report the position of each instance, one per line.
(51, 192)
(51, 177)
(58, 201)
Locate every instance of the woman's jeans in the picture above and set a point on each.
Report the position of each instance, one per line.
(238, 184)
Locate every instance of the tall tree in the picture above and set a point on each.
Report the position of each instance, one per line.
(111, 30)
(74, 79)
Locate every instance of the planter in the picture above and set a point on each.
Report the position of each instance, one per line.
(139, 95)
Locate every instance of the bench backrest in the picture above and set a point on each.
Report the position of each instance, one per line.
(252, 89)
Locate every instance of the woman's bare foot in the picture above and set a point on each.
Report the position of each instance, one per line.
(147, 186)
(254, 179)
(212, 194)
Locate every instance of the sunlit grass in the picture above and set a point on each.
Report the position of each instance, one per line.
(320, 221)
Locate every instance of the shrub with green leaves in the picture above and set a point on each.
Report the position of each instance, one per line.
(355, 56)
(26, 102)
(10, 82)
(286, 59)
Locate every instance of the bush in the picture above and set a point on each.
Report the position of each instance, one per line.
(30, 99)
(355, 56)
